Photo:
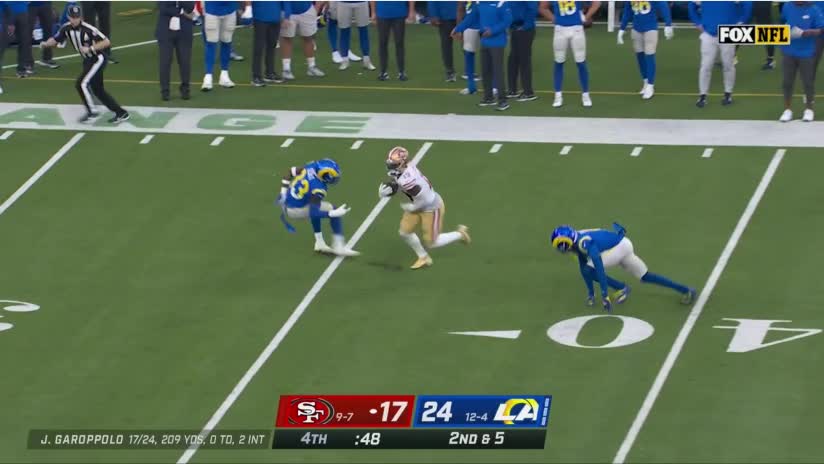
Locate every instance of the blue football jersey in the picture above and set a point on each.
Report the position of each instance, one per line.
(568, 13)
(603, 239)
(304, 186)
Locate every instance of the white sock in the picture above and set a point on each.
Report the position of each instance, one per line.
(311, 61)
(287, 64)
(446, 239)
(319, 238)
(338, 242)
(415, 243)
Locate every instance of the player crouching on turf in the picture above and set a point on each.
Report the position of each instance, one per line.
(599, 249)
(301, 196)
(426, 207)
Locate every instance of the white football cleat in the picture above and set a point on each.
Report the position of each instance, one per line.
(344, 65)
(808, 115)
(643, 87)
(322, 247)
(649, 91)
(207, 83)
(287, 75)
(585, 100)
(339, 247)
(225, 81)
(367, 63)
(336, 58)
(786, 116)
(353, 57)
(315, 72)
(558, 101)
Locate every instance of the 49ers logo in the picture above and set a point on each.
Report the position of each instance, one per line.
(310, 411)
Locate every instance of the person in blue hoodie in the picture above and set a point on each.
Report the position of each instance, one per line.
(19, 17)
(520, 54)
(806, 23)
(443, 15)
(219, 22)
(644, 16)
(266, 21)
(494, 18)
(707, 20)
(43, 12)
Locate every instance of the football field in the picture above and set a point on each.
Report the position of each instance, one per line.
(147, 282)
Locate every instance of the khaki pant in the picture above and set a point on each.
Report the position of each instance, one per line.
(431, 223)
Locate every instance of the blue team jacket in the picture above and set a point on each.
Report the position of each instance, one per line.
(494, 16)
(442, 10)
(268, 12)
(807, 16)
(714, 14)
(523, 15)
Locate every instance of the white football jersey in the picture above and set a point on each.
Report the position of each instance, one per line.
(427, 197)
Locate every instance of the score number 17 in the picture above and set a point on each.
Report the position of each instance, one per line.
(387, 407)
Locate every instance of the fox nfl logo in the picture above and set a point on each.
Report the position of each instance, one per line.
(754, 34)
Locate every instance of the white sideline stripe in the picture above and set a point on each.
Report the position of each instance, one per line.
(217, 141)
(43, 169)
(286, 143)
(636, 151)
(707, 152)
(495, 148)
(290, 323)
(6, 135)
(147, 139)
(119, 47)
(357, 144)
(681, 339)
(566, 149)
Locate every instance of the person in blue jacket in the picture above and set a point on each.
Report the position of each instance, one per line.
(494, 18)
(19, 16)
(520, 54)
(806, 21)
(644, 16)
(391, 17)
(443, 15)
(707, 20)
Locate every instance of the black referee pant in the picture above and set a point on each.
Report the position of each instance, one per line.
(90, 84)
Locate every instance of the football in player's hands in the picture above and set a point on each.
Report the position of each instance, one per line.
(388, 188)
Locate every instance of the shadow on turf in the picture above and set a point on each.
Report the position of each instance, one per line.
(385, 266)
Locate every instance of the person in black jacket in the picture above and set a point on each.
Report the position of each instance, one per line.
(174, 36)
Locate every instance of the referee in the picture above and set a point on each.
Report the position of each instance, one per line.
(91, 44)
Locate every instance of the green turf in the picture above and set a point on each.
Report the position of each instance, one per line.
(614, 80)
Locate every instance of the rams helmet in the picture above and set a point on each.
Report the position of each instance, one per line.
(563, 238)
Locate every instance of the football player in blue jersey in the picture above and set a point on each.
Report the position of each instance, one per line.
(570, 20)
(598, 249)
(302, 196)
(644, 16)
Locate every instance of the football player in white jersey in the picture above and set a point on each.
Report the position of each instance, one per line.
(426, 208)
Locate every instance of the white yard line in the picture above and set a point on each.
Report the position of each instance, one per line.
(709, 286)
(357, 144)
(43, 169)
(495, 148)
(6, 135)
(217, 141)
(286, 143)
(74, 55)
(636, 151)
(565, 151)
(289, 324)
(707, 152)
(146, 139)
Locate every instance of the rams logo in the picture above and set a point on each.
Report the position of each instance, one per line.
(510, 412)
(311, 411)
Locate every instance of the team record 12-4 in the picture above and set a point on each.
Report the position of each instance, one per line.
(412, 422)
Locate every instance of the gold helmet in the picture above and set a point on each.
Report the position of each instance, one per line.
(396, 161)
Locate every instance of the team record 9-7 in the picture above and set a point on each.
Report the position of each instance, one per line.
(412, 422)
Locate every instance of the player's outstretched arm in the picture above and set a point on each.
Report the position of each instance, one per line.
(595, 255)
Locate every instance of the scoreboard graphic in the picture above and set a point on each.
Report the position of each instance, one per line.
(412, 422)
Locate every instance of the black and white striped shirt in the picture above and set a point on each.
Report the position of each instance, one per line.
(84, 35)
